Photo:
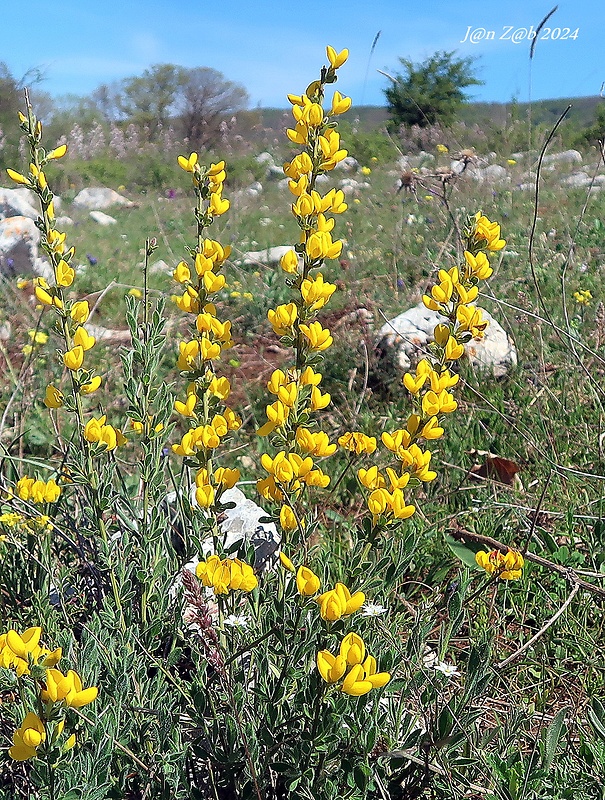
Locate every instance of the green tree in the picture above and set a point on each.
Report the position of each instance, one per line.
(149, 100)
(430, 92)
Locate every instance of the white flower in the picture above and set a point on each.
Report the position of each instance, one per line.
(449, 670)
(237, 621)
(373, 610)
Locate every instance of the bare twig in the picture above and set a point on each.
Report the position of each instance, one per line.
(530, 642)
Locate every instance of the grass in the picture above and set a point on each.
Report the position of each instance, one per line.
(546, 415)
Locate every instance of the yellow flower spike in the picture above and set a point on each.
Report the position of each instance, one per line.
(336, 59)
(307, 582)
(80, 311)
(83, 339)
(53, 398)
(74, 358)
(91, 386)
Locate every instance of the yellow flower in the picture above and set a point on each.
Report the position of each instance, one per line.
(340, 104)
(67, 689)
(352, 649)
(74, 358)
(331, 668)
(316, 292)
(188, 164)
(307, 582)
(282, 318)
(80, 311)
(441, 148)
(27, 738)
(339, 602)
(358, 443)
(17, 177)
(285, 562)
(336, 59)
(58, 152)
(64, 274)
(84, 339)
(218, 205)
(505, 566)
(91, 386)
(318, 338)
(289, 262)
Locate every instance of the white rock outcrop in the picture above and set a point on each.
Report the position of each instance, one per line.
(406, 337)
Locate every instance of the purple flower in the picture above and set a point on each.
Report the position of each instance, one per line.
(91, 259)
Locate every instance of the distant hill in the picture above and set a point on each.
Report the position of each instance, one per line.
(582, 113)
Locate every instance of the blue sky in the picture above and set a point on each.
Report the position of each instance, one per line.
(274, 47)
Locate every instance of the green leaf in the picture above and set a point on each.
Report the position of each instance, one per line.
(465, 552)
(596, 716)
(553, 735)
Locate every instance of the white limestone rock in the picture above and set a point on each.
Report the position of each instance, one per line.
(270, 257)
(98, 198)
(403, 341)
(566, 157)
(16, 203)
(19, 239)
(101, 218)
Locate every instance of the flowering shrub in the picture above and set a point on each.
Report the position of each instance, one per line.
(231, 667)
